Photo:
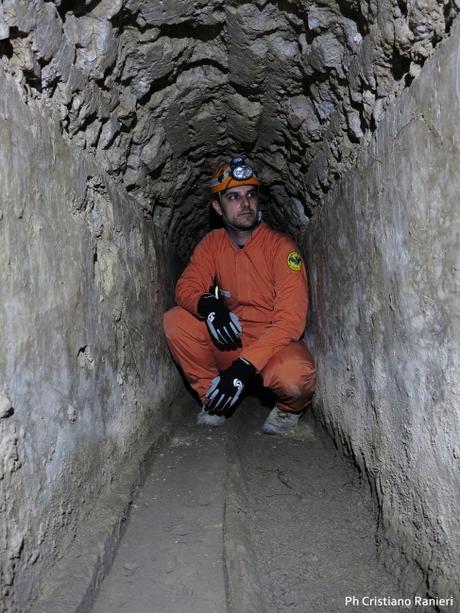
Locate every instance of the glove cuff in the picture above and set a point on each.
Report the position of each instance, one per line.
(248, 369)
(206, 304)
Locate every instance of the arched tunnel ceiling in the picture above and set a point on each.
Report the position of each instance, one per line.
(159, 90)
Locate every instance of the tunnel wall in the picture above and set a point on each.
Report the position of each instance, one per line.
(83, 370)
(384, 260)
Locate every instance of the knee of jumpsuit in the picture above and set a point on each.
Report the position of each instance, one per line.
(191, 346)
(291, 375)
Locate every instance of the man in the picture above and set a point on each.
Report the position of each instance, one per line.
(252, 324)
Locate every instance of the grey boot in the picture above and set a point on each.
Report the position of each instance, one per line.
(204, 419)
(279, 422)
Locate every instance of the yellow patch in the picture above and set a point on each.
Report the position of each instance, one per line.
(294, 261)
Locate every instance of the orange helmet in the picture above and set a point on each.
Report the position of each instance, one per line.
(233, 174)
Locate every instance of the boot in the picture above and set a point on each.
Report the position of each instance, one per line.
(279, 422)
(204, 419)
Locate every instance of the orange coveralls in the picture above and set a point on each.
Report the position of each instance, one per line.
(265, 284)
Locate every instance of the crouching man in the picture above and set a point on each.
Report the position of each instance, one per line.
(251, 325)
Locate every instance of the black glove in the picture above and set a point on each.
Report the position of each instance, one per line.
(226, 389)
(224, 326)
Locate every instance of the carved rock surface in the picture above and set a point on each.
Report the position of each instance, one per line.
(82, 377)
(384, 260)
(112, 115)
(198, 81)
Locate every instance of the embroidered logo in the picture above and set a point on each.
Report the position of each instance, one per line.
(238, 384)
(294, 261)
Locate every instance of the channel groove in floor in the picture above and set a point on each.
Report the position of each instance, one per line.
(170, 558)
(299, 510)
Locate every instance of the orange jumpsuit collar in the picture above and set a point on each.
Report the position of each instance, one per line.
(251, 238)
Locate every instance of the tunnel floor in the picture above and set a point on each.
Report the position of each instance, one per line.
(232, 520)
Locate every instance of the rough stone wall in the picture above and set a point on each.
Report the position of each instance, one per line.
(384, 262)
(160, 90)
(82, 366)
(156, 92)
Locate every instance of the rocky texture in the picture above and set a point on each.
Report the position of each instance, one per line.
(285, 518)
(151, 94)
(82, 370)
(384, 262)
(159, 91)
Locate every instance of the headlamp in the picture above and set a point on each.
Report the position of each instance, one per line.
(233, 173)
(240, 170)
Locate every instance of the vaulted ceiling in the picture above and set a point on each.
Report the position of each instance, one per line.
(160, 90)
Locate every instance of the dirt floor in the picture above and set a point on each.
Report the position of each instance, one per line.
(233, 520)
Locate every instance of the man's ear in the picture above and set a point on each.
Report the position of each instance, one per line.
(216, 206)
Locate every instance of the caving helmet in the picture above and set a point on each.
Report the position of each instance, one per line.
(233, 174)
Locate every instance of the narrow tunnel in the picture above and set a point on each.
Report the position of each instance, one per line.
(113, 115)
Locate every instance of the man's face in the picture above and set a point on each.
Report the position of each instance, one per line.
(240, 206)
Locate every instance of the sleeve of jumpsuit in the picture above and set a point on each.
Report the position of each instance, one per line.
(197, 277)
(290, 308)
